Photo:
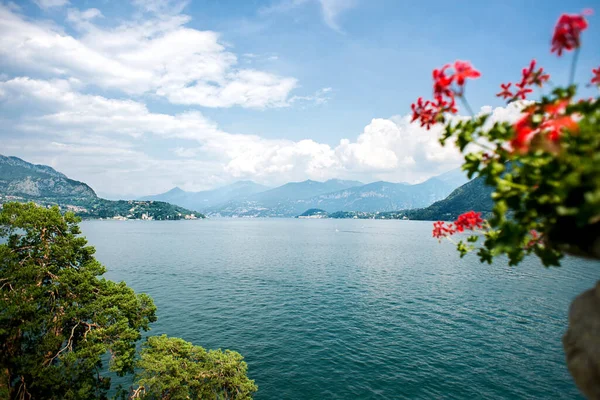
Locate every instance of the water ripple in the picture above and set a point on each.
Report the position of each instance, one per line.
(376, 310)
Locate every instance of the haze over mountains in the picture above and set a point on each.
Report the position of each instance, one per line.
(441, 197)
(208, 198)
(244, 199)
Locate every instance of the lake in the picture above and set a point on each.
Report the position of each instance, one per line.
(347, 309)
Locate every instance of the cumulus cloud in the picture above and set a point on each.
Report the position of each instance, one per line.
(119, 146)
(158, 55)
(101, 141)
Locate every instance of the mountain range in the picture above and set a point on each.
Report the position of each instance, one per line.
(249, 199)
(472, 196)
(209, 198)
(441, 197)
(22, 181)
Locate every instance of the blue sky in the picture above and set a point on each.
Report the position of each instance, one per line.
(135, 97)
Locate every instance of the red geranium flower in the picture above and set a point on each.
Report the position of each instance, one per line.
(441, 229)
(535, 239)
(425, 112)
(533, 77)
(464, 70)
(555, 127)
(557, 108)
(442, 83)
(596, 77)
(523, 91)
(445, 106)
(529, 77)
(469, 220)
(567, 33)
(505, 93)
(523, 133)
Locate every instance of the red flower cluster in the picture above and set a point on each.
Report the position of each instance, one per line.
(469, 220)
(430, 112)
(554, 122)
(596, 78)
(530, 76)
(464, 70)
(442, 229)
(426, 112)
(442, 84)
(535, 239)
(567, 32)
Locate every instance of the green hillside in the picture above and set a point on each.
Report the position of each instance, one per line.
(474, 195)
(25, 182)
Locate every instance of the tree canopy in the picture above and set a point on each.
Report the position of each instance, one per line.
(59, 318)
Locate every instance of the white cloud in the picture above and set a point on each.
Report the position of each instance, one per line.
(81, 19)
(154, 56)
(102, 141)
(254, 89)
(321, 96)
(46, 4)
(330, 9)
(161, 6)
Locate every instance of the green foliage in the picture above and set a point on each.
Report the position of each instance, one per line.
(547, 197)
(101, 208)
(59, 317)
(171, 368)
(134, 209)
(311, 212)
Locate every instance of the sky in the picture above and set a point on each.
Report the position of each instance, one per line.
(135, 97)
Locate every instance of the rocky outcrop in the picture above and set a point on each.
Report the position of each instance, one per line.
(20, 178)
(582, 342)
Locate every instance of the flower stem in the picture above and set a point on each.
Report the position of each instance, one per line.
(465, 103)
(573, 67)
(485, 147)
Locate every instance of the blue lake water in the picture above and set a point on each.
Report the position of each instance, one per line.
(349, 309)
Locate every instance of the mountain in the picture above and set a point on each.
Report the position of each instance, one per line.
(284, 201)
(335, 195)
(383, 196)
(455, 177)
(20, 178)
(209, 198)
(294, 191)
(474, 195)
(22, 181)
